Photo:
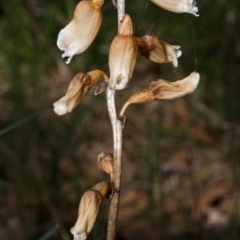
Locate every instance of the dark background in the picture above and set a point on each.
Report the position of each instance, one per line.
(181, 158)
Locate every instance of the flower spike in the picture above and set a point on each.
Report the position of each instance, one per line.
(77, 36)
(178, 6)
(122, 55)
(157, 50)
(164, 90)
(77, 90)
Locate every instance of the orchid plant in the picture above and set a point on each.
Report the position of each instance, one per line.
(74, 39)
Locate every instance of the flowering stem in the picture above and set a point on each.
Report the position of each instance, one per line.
(117, 146)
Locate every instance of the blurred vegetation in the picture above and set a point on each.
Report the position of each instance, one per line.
(181, 162)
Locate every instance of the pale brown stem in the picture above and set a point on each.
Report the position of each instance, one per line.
(123, 109)
(117, 146)
(117, 153)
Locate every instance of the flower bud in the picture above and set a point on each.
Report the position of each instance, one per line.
(87, 214)
(77, 89)
(122, 55)
(77, 36)
(157, 50)
(164, 90)
(178, 6)
(105, 163)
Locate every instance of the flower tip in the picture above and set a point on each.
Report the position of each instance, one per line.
(69, 60)
(196, 78)
(61, 45)
(77, 236)
(178, 53)
(175, 54)
(194, 11)
(193, 80)
(70, 56)
(59, 108)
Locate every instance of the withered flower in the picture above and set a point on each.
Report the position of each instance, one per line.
(77, 36)
(178, 6)
(77, 89)
(122, 55)
(164, 90)
(105, 163)
(87, 214)
(157, 50)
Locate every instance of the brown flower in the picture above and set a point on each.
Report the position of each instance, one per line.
(164, 90)
(87, 214)
(88, 209)
(77, 36)
(122, 55)
(157, 50)
(77, 89)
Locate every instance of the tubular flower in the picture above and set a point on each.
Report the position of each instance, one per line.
(164, 90)
(77, 89)
(77, 36)
(87, 214)
(157, 50)
(122, 55)
(178, 6)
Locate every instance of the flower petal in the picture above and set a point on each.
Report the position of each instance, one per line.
(168, 90)
(157, 50)
(178, 6)
(77, 36)
(164, 90)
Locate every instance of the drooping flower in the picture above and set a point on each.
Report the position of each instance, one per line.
(88, 210)
(157, 50)
(164, 90)
(87, 214)
(178, 6)
(77, 90)
(77, 36)
(122, 55)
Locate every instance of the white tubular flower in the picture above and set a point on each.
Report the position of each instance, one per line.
(164, 90)
(178, 6)
(77, 36)
(122, 55)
